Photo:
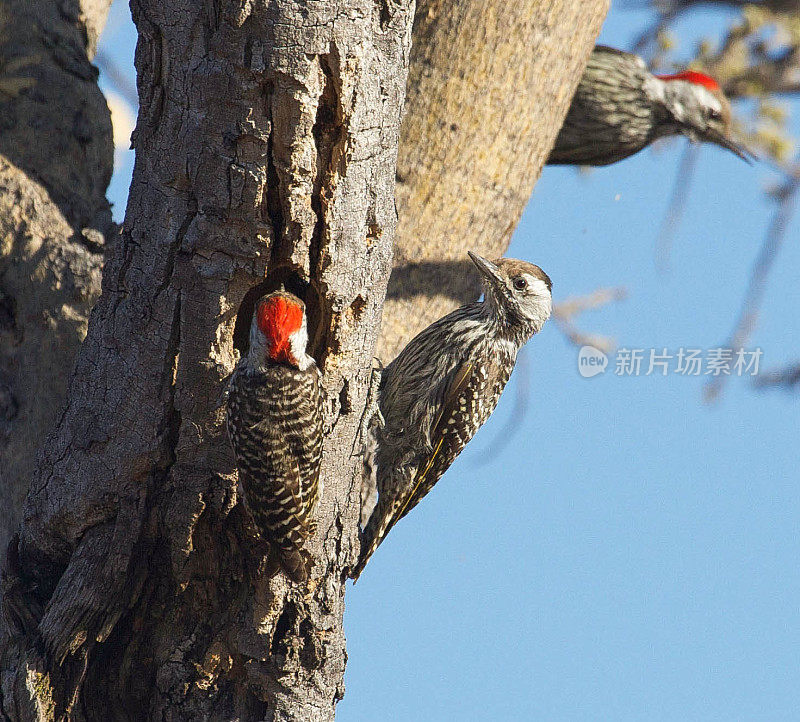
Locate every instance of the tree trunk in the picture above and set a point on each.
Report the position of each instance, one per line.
(489, 85)
(266, 146)
(54, 218)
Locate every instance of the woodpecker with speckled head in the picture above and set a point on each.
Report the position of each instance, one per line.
(620, 107)
(275, 424)
(445, 384)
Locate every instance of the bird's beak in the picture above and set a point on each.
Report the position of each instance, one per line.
(724, 142)
(487, 268)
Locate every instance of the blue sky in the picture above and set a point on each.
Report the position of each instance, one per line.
(632, 552)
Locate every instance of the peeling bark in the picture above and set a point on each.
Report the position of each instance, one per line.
(265, 154)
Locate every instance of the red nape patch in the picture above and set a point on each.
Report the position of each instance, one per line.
(278, 318)
(692, 76)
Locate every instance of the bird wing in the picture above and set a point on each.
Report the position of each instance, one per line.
(443, 435)
(606, 88)
(460, 382)
(304, 436)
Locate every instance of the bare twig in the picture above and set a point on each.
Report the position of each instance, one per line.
(751, 307)
(564, 313)
(677, 203)
(757, 57)
(787, 377)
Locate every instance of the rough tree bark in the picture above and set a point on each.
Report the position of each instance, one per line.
(526, 54)
(488, 88)
(265, 146)
(54, 217)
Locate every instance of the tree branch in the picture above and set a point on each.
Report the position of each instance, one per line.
(746, 323)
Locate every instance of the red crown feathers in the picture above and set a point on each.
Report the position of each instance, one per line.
(692, 76)
(278, 318)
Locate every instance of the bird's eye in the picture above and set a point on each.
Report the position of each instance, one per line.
(520, 284)
(714, 114)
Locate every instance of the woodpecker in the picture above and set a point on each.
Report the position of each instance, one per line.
(620, 107)
(274, 411)
(445, 384)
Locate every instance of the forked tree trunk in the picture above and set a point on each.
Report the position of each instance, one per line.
(266, 147)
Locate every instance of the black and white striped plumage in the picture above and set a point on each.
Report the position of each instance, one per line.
(275, 425)
(620, 107)
(445, 384)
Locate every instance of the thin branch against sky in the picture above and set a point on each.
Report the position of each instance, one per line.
(747, 320)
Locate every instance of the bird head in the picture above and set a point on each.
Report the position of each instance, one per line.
(519, 291)
(278, 332)
(701, 110)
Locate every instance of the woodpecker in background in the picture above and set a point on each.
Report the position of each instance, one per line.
(274, 410)
(620, 107)
(445, 384)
